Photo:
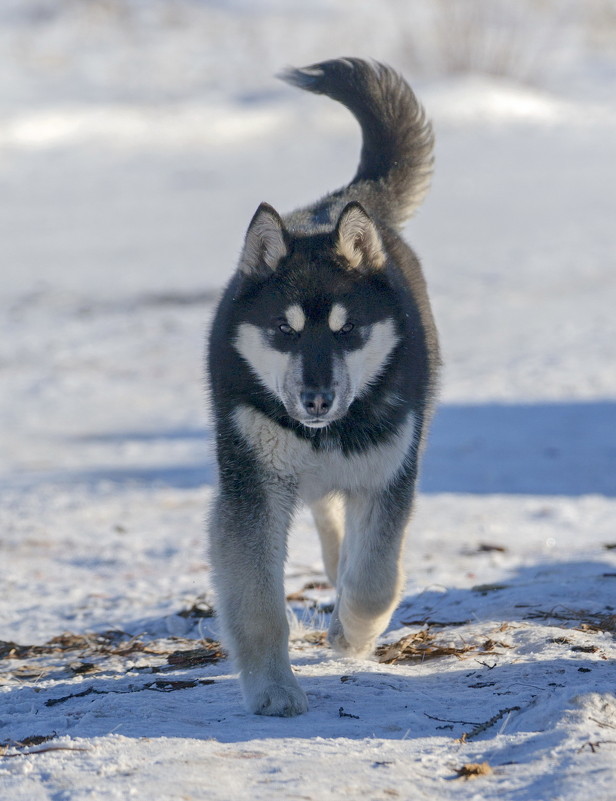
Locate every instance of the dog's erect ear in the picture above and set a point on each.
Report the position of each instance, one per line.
(265, 243)
(357, 240)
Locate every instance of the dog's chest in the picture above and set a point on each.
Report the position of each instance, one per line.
(280, 452)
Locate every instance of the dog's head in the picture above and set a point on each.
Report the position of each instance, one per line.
(317, 325)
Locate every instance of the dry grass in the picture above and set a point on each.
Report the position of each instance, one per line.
(422, 646)
(78, 654)
(491, 37)
(585, 619)
(472, 770)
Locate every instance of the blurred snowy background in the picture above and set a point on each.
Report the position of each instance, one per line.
(136, 139)
(172, 50)
(138, 136)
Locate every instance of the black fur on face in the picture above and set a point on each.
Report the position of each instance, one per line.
(314, 278)
(314, 275)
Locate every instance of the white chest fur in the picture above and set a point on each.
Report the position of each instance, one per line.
(317, 473)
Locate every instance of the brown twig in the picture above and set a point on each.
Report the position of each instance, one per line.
(481, 727)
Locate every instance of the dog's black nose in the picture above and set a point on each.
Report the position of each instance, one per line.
(316, 402)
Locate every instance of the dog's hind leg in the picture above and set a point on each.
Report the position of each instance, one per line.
(371, 576)
(328, 514)
(248, 532)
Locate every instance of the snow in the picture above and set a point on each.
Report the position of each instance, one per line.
(123, 208)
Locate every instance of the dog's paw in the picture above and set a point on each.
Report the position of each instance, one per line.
(337, 640)
(351, 635)
(281, 700)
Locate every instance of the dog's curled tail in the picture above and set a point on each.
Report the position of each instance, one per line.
(396, 161)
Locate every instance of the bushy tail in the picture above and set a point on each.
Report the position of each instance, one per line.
(396, 161)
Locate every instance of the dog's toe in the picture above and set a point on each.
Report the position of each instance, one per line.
(337, 637)
(279, 700)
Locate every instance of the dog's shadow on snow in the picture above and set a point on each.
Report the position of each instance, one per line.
(564, 448)
(560, 448)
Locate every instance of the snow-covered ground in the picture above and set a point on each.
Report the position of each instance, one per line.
(123, 203)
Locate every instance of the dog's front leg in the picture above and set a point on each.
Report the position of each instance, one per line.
(247, 548)
(370, 573)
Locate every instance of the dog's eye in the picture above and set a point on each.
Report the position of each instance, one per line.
(346, 328)
(286, 328)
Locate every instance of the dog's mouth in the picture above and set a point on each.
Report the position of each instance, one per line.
(317, 423)
(316, 410)
(313, 421)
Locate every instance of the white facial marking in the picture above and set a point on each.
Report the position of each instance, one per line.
(337, 317)
(296, 317)
(366, 363)
(269, 365)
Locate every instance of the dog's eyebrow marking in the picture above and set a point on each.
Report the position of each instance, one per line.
(296, 317)
(337, 317)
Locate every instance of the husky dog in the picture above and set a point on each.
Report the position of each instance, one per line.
(322, 359)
